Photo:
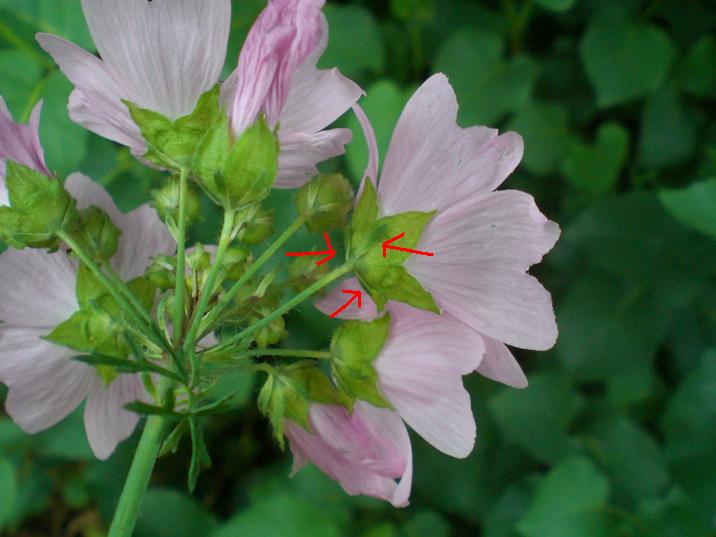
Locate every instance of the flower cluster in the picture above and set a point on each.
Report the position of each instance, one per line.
(115, 310)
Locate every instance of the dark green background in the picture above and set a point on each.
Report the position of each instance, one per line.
(616, 435)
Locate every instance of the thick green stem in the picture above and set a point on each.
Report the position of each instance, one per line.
(208, 291)
(125, 516)
(180, 286)
(250, 273)
(286, 307)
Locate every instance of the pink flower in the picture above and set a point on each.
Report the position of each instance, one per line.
(20, 143)
(160, 55)
(37, 292)
(277, 76)
(368, 452)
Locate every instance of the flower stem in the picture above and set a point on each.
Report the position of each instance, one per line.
(125, 517)
(179, 285)
(287, 306)
(250, 273)
(207, 292)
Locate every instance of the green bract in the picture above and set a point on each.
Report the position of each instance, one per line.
(385, 278)
(288, 391)
(39, 208)
(354, 349)
(237, 173)
(325, 202)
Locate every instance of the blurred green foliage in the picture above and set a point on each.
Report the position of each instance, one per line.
(616, 435)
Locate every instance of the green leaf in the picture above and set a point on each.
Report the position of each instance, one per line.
(668, 132)
(8, 492)
(282, 515)
(169, 513)
(697, 71)
(570, 500)
(354, 349)
(351, 24)
(545, 129)
(556, 5)
(625, 61)
(694, 206)
(596, 168)
(674, 516)
(199, 455)
(325, 202)
(537, 418)
(21, 74)
(173, 144)
(487, 84)
(52, 17)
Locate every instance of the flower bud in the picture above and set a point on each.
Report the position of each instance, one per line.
(236, 261)
(258, 224)
(304, 272)
(271, 334)
(325, 202)
(161, 272)
(166, 202)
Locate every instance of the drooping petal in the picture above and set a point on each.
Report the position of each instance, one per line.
(499, 364)
(335, 298)
(420, 372)
(143, 237)
(20, 143)
(371, 170)
(106, 421)
(483, 248)
(37, 288)
(432, 163)
(365, 451)
(45, 385)
(164, 53)
(96, 103)
(301, 152)
(282, 38)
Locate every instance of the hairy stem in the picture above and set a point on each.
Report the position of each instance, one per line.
(179, 285)
(250, 273)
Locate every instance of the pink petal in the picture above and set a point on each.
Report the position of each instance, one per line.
(420, 372)
(499, 364)
(335, 298)
(365, 452)
(433, 164)
(45, 385)
(371, 171)
(20, 143)
(281, 39)
(483, 248)
(106, 421)
(301, 152)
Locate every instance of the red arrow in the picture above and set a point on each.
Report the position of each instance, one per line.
(330, 253)
(388, 245)
(354, 295)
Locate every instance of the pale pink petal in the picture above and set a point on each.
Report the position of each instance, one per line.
(106, 421)
(96, 103)
(165, 54)
(420, 371)
(37, 288)
(371, 171)
(432, 163)
(20, 143)
(335, 298)
(45, 385)
(90, 193)
(365, 451)
(499, 364)
(282, 38)
(483, 248)
(301, 152)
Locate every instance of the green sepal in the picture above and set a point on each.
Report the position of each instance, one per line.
(171, 444)
(288, 392)
(97, 233)
(237, 173)
(40, 207)
(385, 278)
(173, 144)
(199, 454)
(324, 202)
(354, 348)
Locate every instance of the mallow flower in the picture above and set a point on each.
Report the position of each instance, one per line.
(163, 55)
(38, 292)
(20, 143)
(367, 450)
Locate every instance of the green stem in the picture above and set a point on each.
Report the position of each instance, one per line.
(109, 286)
(250, 273)
(287, 306)
(208, 291)
(288, 353)
(140, 472)
(179, 285)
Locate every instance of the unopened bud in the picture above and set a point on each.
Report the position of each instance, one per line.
(325, 202)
